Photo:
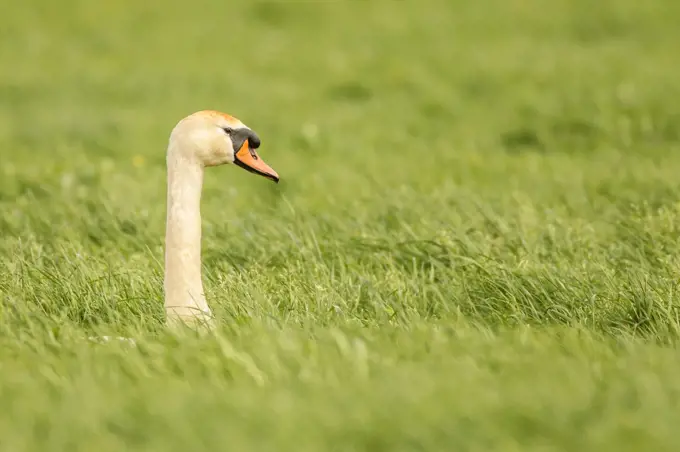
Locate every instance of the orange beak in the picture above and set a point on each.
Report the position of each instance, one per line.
(247, 158)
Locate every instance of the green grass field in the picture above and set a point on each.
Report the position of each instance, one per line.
(475, 244)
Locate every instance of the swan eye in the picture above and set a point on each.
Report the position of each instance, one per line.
(227, 130)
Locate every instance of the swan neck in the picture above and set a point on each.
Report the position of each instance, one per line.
(183, 286)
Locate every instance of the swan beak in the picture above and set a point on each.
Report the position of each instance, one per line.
(247, 158)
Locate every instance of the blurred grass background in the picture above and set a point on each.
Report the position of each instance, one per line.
(474, 244)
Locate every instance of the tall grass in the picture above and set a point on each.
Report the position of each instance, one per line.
(474, 245)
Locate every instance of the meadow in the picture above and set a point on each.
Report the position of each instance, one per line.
(475, 243)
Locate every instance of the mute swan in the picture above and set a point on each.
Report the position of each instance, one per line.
(202, 139)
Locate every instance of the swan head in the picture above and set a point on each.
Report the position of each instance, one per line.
(213, 138)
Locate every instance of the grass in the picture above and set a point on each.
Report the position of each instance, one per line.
(474, 246)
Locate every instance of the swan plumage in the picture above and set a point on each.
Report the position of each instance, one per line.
(204, 139)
